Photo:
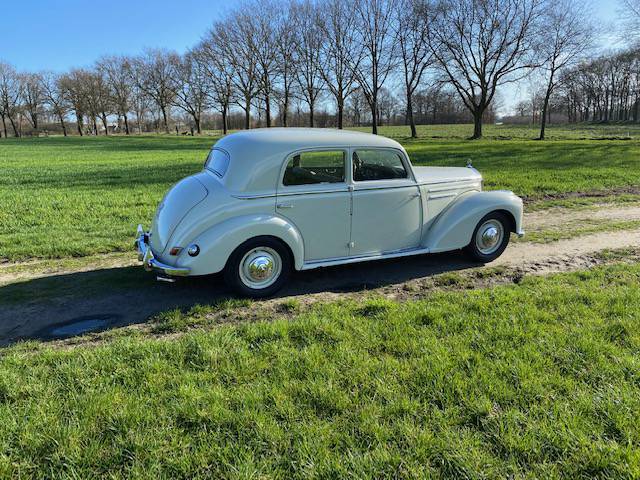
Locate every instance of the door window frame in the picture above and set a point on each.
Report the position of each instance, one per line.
(403, 158)
(283, 189)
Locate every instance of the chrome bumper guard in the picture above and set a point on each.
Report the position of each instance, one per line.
(149, 262)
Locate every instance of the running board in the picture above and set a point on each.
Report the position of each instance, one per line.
(364, 258)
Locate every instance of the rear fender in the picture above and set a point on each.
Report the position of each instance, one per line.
(454, 227)
(217, 243)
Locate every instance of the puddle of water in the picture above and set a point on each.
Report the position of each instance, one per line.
(76, 328)
(80, 325)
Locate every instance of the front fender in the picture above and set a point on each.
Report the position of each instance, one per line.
(454, 227)
(218, 242)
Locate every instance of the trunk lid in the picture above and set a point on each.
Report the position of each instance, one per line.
(175, 205)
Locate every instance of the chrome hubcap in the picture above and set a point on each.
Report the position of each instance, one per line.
(260, 267)
(489, 236)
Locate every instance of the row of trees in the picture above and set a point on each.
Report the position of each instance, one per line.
(267, 56)
(604, 89)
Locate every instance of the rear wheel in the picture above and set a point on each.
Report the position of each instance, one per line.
(259, 267)
(490, 237)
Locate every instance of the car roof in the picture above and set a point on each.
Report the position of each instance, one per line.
(257, 155)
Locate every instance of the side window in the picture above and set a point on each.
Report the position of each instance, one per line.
(377, 165)
(308, 168)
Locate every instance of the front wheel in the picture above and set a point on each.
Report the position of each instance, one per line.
(259, 267)
(490, 237)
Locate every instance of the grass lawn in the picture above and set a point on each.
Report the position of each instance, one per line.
(62, 197)
(535, 380)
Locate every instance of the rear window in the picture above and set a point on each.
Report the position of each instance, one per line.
(217, 161)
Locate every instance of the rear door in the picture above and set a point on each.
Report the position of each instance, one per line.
(387, 208)
(313, 194)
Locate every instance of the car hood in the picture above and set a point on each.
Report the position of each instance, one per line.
(446, 174)
(175, 205)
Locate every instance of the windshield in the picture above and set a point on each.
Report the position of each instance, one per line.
(217, 161)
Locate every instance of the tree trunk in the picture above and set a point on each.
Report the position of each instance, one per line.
(104, 122)
(196, 119)
(165, 119)
(224, 120)
(64, 128)
(4, 126)
(79, 124)
(13, 125)
(285, 108)
(412, 123)
(311, 112)
(247, 114)
(267, 109)
(126, 124)
(545, 108)
(340, 113)
(477, 124)
(374, 117)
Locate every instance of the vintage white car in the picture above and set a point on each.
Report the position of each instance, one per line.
(272, 200)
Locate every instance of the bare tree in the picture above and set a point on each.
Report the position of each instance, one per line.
(212, 57)
(286, 61)
(340, 53)
(375, 25)
(155, 74)
(629, 17)
(73, 84)
(33, 97)
(482, 44)
(264, 44)
(192, 84)
(308, 42)
(117, 72)
(412, 26)
(238, 36)
(568, 35)
(54, 97)
(10, 96)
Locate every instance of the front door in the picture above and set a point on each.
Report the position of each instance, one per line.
(387, 209)
(313, 195)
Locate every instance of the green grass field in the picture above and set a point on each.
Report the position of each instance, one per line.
(539, 378)
(62, 197)
(458, 385)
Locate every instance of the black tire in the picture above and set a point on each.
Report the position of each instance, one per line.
(269, 246)
(475, 251)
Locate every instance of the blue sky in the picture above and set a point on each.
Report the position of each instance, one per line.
(59, 34)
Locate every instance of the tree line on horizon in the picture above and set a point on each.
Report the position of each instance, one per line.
(281, 62)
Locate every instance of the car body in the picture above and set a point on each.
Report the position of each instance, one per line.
(318, 197)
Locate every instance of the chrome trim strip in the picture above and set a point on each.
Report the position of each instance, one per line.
(452, 180)
(150, 263)
(364, 258)
(392, 187)
(288, 194)
(452, 187)
(253, 197)
(442, 195)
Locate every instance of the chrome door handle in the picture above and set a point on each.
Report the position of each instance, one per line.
(415, 195)
(284, 205)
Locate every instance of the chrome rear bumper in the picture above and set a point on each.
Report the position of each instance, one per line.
(149, 262)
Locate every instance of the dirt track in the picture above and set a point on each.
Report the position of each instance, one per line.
(41, 302)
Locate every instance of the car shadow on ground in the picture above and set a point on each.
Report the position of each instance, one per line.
(66, 305)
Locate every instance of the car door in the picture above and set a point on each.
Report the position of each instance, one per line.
(387, 209)
(313, 194)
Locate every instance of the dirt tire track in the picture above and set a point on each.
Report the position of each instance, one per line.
(48, 296)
